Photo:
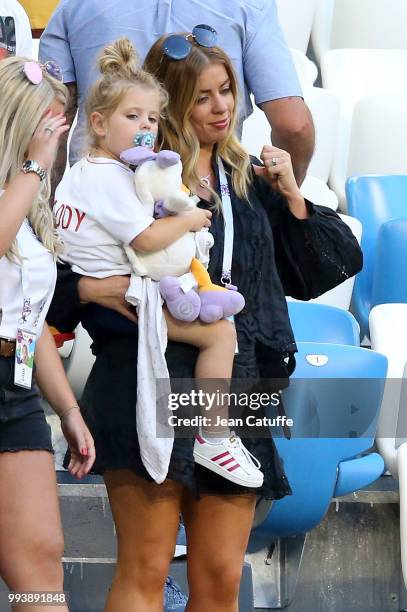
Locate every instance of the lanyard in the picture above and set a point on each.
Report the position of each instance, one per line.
(26, 311)
(226, 278)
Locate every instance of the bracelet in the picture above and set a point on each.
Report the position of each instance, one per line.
(67, 411)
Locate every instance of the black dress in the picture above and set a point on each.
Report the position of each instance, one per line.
(274, 255)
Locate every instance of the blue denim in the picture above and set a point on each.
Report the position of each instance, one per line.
(174, 599)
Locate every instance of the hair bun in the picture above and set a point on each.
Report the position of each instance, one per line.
(119, 58)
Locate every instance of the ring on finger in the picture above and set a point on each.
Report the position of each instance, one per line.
(274, 161)
(48, 129)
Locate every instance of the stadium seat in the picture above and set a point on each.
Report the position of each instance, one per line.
(373, 200)
(369, 24)
(388, 331)
(365, 24)
(389, 284)
(324, 108)
(334, 400)
(321, 28)
(353, 74)
(296, 18)
(320, 323)
(306, 69)
(379, 135)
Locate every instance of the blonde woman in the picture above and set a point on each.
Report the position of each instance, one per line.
(277, 243)
(32, 102)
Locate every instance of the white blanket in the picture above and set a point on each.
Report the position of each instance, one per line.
(156, 436)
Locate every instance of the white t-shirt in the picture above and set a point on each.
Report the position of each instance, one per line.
(15, 30)
(38, 268)
(97, 212)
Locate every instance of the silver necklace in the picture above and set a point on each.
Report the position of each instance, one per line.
(206, 180)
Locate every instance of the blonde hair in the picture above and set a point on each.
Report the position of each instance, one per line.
(121, 71)
(23, 105)
(180, 78)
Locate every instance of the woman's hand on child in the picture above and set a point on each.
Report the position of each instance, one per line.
(45, 141)
(278, 171)
(198, 218)
(80, 444)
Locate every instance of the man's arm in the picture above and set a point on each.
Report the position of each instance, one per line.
(293, 131)
(60, 162)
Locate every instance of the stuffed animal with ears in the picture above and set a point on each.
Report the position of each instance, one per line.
(158, 181)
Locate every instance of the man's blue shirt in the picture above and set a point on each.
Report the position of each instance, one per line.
(248, 30)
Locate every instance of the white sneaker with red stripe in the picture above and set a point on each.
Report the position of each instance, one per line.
(230, 459)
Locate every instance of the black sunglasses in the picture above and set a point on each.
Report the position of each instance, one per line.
(178, 47)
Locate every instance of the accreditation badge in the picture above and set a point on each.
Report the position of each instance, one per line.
(24, 358)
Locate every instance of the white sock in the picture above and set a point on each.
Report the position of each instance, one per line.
(212, 439)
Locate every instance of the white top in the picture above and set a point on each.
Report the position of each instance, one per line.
(15, 30)
(38, 268)
(97, 211)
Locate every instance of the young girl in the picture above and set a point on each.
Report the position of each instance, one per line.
(98, 211)
(31, 122)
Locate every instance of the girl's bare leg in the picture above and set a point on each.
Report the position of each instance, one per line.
(216, 343)
(31, 539)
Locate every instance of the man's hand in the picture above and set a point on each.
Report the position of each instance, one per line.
(292, 131)
(108, 292)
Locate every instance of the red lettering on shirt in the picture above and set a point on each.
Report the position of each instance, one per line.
(65, 223)
(64, 216)
(80, 218)
(59, 213)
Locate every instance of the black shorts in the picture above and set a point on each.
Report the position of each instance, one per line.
(22, 420)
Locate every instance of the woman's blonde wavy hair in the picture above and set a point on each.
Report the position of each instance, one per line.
(22, 106)
(121, 71)
(180, 79)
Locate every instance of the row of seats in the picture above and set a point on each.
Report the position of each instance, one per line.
(361, 50)
(341, 24)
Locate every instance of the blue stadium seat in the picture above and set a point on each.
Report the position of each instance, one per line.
(313, 322)
(334, 400)
(374, 200)
(390, 268)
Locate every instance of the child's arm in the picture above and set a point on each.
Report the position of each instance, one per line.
(163, 232)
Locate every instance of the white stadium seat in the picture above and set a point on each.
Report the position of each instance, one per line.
(324, 107)
(352, 74)
(378, 136)
(306, 69)
(321, 28)
(296, 17)
(361, 24)
(369, 24)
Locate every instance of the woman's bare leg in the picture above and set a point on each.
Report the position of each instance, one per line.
(218, 529)
(146, 516)
(31, 539)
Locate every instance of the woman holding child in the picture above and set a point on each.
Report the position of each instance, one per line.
(278, 244)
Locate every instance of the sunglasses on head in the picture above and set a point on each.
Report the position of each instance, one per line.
(178, 47)
(35, 71)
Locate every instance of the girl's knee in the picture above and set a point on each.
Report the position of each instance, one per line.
(221, 333)
(35, 562)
